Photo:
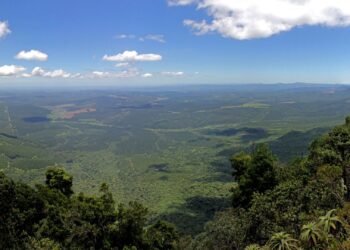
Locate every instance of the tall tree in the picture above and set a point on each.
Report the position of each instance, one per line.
(253, 173)
(162, 236)
(334, 149)
(57, 178)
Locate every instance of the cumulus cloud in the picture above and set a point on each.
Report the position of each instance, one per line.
(157, 38)
(58, 73)
(11, 70)
(132, 56)
(180, 2)
(4, 29)
(130, 72)
(251, 19)
(100, 74)
(122, 65)
(35, 55)
(26, 75)
(37, 71)
(171, 73)
(147, 75)
(18, 72)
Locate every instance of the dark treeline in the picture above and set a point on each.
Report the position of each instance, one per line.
(303, 205)
(50, 216)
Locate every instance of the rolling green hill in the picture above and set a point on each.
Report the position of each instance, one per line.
(302, 205)
(167, 148)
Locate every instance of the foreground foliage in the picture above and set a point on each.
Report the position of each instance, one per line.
(51, 217)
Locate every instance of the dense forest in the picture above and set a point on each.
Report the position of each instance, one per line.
(302, 205)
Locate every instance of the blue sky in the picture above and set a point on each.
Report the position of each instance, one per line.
(157, 42)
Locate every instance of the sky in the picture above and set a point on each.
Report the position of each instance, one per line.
(164, 42)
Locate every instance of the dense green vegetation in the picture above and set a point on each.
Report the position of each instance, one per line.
(303, 205)
(167, 148)
(51, 217)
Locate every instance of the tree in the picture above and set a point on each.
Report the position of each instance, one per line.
(240, 163)
(51, 217)
(7, 200)
(230, 230)
(42, 244)
(57, 178)
(334, 149)
(162, 236)
(21, 209)
(128, 229)
(253, 173)
(276, 210)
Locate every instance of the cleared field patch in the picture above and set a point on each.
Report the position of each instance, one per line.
(68, 111)
(71, 114)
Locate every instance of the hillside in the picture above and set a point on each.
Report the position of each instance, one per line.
(167, 148)
(304, 205)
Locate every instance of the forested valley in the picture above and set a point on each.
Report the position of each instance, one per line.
(301, 205)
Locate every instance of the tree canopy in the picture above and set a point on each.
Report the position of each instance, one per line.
(51, 216)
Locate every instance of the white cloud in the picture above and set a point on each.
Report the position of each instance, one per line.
(4, 29)
(58, 73)
(147, 75)
(132, 56)
(180, 2)
(100, 74)
(11, 70)
(130, 72)
(249, 19)
(18, 71)
(32, 55)
(37, 71)
(175, 73)
(157, 38)
(122, 65)
(125, 36)
(77, 75)
(26, 75)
